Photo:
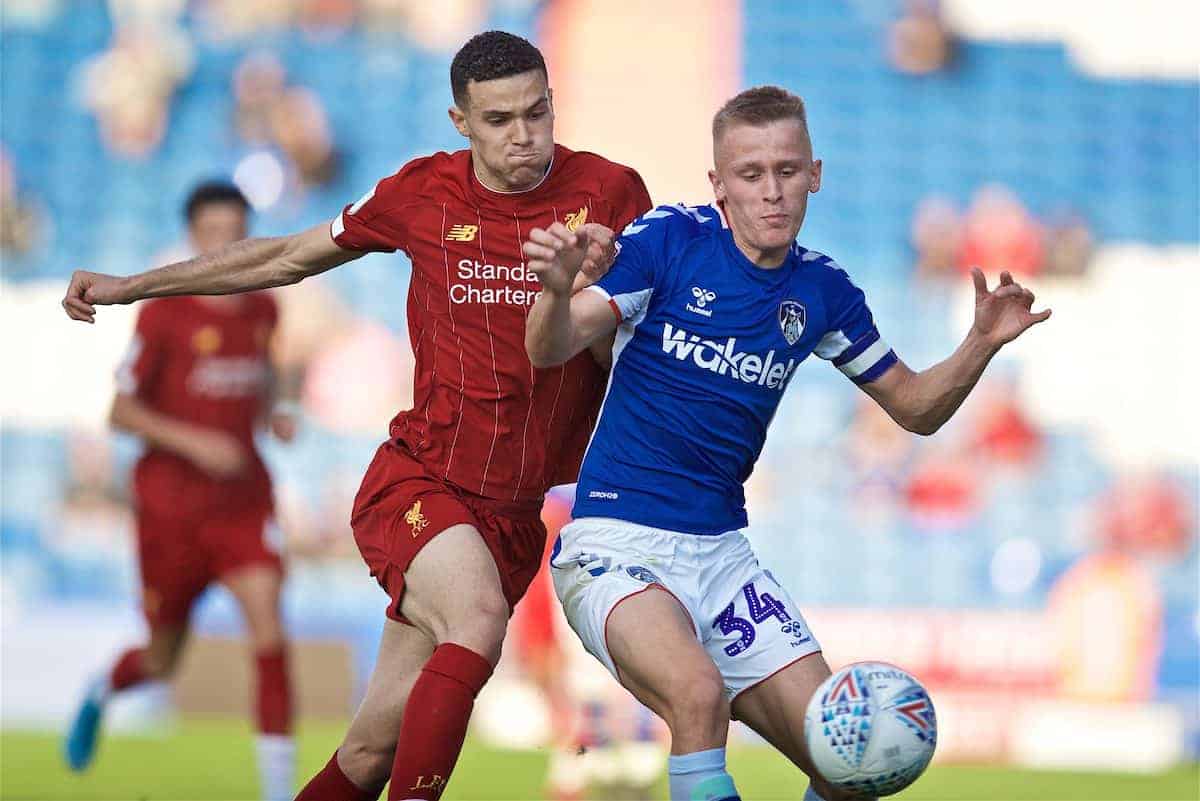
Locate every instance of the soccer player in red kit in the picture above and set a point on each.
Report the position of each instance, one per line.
(447, 515)
(195, 384)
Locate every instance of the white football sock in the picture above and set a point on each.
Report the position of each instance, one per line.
(276, 766)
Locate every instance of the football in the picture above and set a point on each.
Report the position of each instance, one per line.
(871, 728)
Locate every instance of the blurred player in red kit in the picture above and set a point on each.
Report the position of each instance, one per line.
(447, 517)
(195, 384)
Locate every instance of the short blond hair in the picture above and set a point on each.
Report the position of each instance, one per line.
(759, 106)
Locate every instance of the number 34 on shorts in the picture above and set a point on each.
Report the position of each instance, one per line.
(751, 610)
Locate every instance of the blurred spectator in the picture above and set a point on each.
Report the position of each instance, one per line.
(20, 220)
(1004, 432)
(1148, 515)
(937, 235)
(1001, 235)
(919, 43)
(435, 26)
(370, 358)
(237, 19)
(1068, 246)
(272, 113)
(1107, 612)
(878, 453)
(327, 19)
(95, 516)
(943, 490)
(129, 86)
(145, 12)
(33, 14)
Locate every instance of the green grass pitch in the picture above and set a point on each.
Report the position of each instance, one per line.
(214, 760)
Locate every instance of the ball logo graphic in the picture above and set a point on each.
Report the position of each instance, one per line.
(871, 728)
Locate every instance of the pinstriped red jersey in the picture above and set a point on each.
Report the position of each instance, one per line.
(483, 417)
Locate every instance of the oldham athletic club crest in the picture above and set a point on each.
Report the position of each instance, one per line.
(791, 320)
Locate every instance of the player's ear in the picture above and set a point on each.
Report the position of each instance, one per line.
(717, 185)
(815, 184)
(459, 118)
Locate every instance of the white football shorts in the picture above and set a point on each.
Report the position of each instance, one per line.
(743, 617)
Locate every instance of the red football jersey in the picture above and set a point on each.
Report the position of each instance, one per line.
(483, 418)
(207, 366)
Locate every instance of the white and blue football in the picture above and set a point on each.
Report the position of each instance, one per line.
(871, 729)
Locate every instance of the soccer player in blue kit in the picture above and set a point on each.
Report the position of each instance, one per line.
(714, 307)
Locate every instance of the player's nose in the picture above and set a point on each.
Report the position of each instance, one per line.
(521, 133)
(772, 189)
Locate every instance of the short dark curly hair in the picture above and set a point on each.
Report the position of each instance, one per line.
(211, 193)
(491, 55)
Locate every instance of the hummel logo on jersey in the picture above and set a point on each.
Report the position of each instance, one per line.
(577, 219)
(462, 233)
(724, 358)
(703, 298)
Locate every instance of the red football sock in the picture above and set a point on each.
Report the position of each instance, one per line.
(332, 785)
(435, 721)
(274, 702)
(128, 670)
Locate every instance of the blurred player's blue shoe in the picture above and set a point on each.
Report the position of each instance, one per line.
(80, 745)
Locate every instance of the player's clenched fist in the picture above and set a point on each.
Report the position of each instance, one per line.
(88, 290)
(601, 251)
(555, 256)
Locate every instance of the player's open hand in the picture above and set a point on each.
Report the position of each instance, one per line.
(600, 255)
(217, 453)
(1003, 314)
(89, 290)
(555, 256)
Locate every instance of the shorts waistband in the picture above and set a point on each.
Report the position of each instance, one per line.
(527, 509)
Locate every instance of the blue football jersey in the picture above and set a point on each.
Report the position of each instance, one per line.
(707, 343)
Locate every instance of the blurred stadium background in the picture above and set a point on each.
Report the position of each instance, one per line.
(1035, 563)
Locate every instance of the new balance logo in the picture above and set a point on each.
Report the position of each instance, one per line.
(703, 298)
(725, 359)
(462, 233)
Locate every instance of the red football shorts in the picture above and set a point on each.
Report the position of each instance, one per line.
(400, 507)
(181, 555)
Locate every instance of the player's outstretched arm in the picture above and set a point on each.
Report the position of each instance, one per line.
(244, 266)
(922, 402)
(561, 323)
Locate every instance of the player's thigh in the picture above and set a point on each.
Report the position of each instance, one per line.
(453, 591)
(775, 707)
(651, 641)
(174, 573)
(257, 588)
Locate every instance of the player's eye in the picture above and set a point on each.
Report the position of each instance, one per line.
(536, 115)
(750, 176)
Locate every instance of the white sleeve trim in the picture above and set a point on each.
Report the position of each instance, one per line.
(127, 383)
(865, 360)
(337, 227)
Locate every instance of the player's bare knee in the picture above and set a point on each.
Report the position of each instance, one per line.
(697, 703)
(365, 762)
(160, 663)
(482, 630)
